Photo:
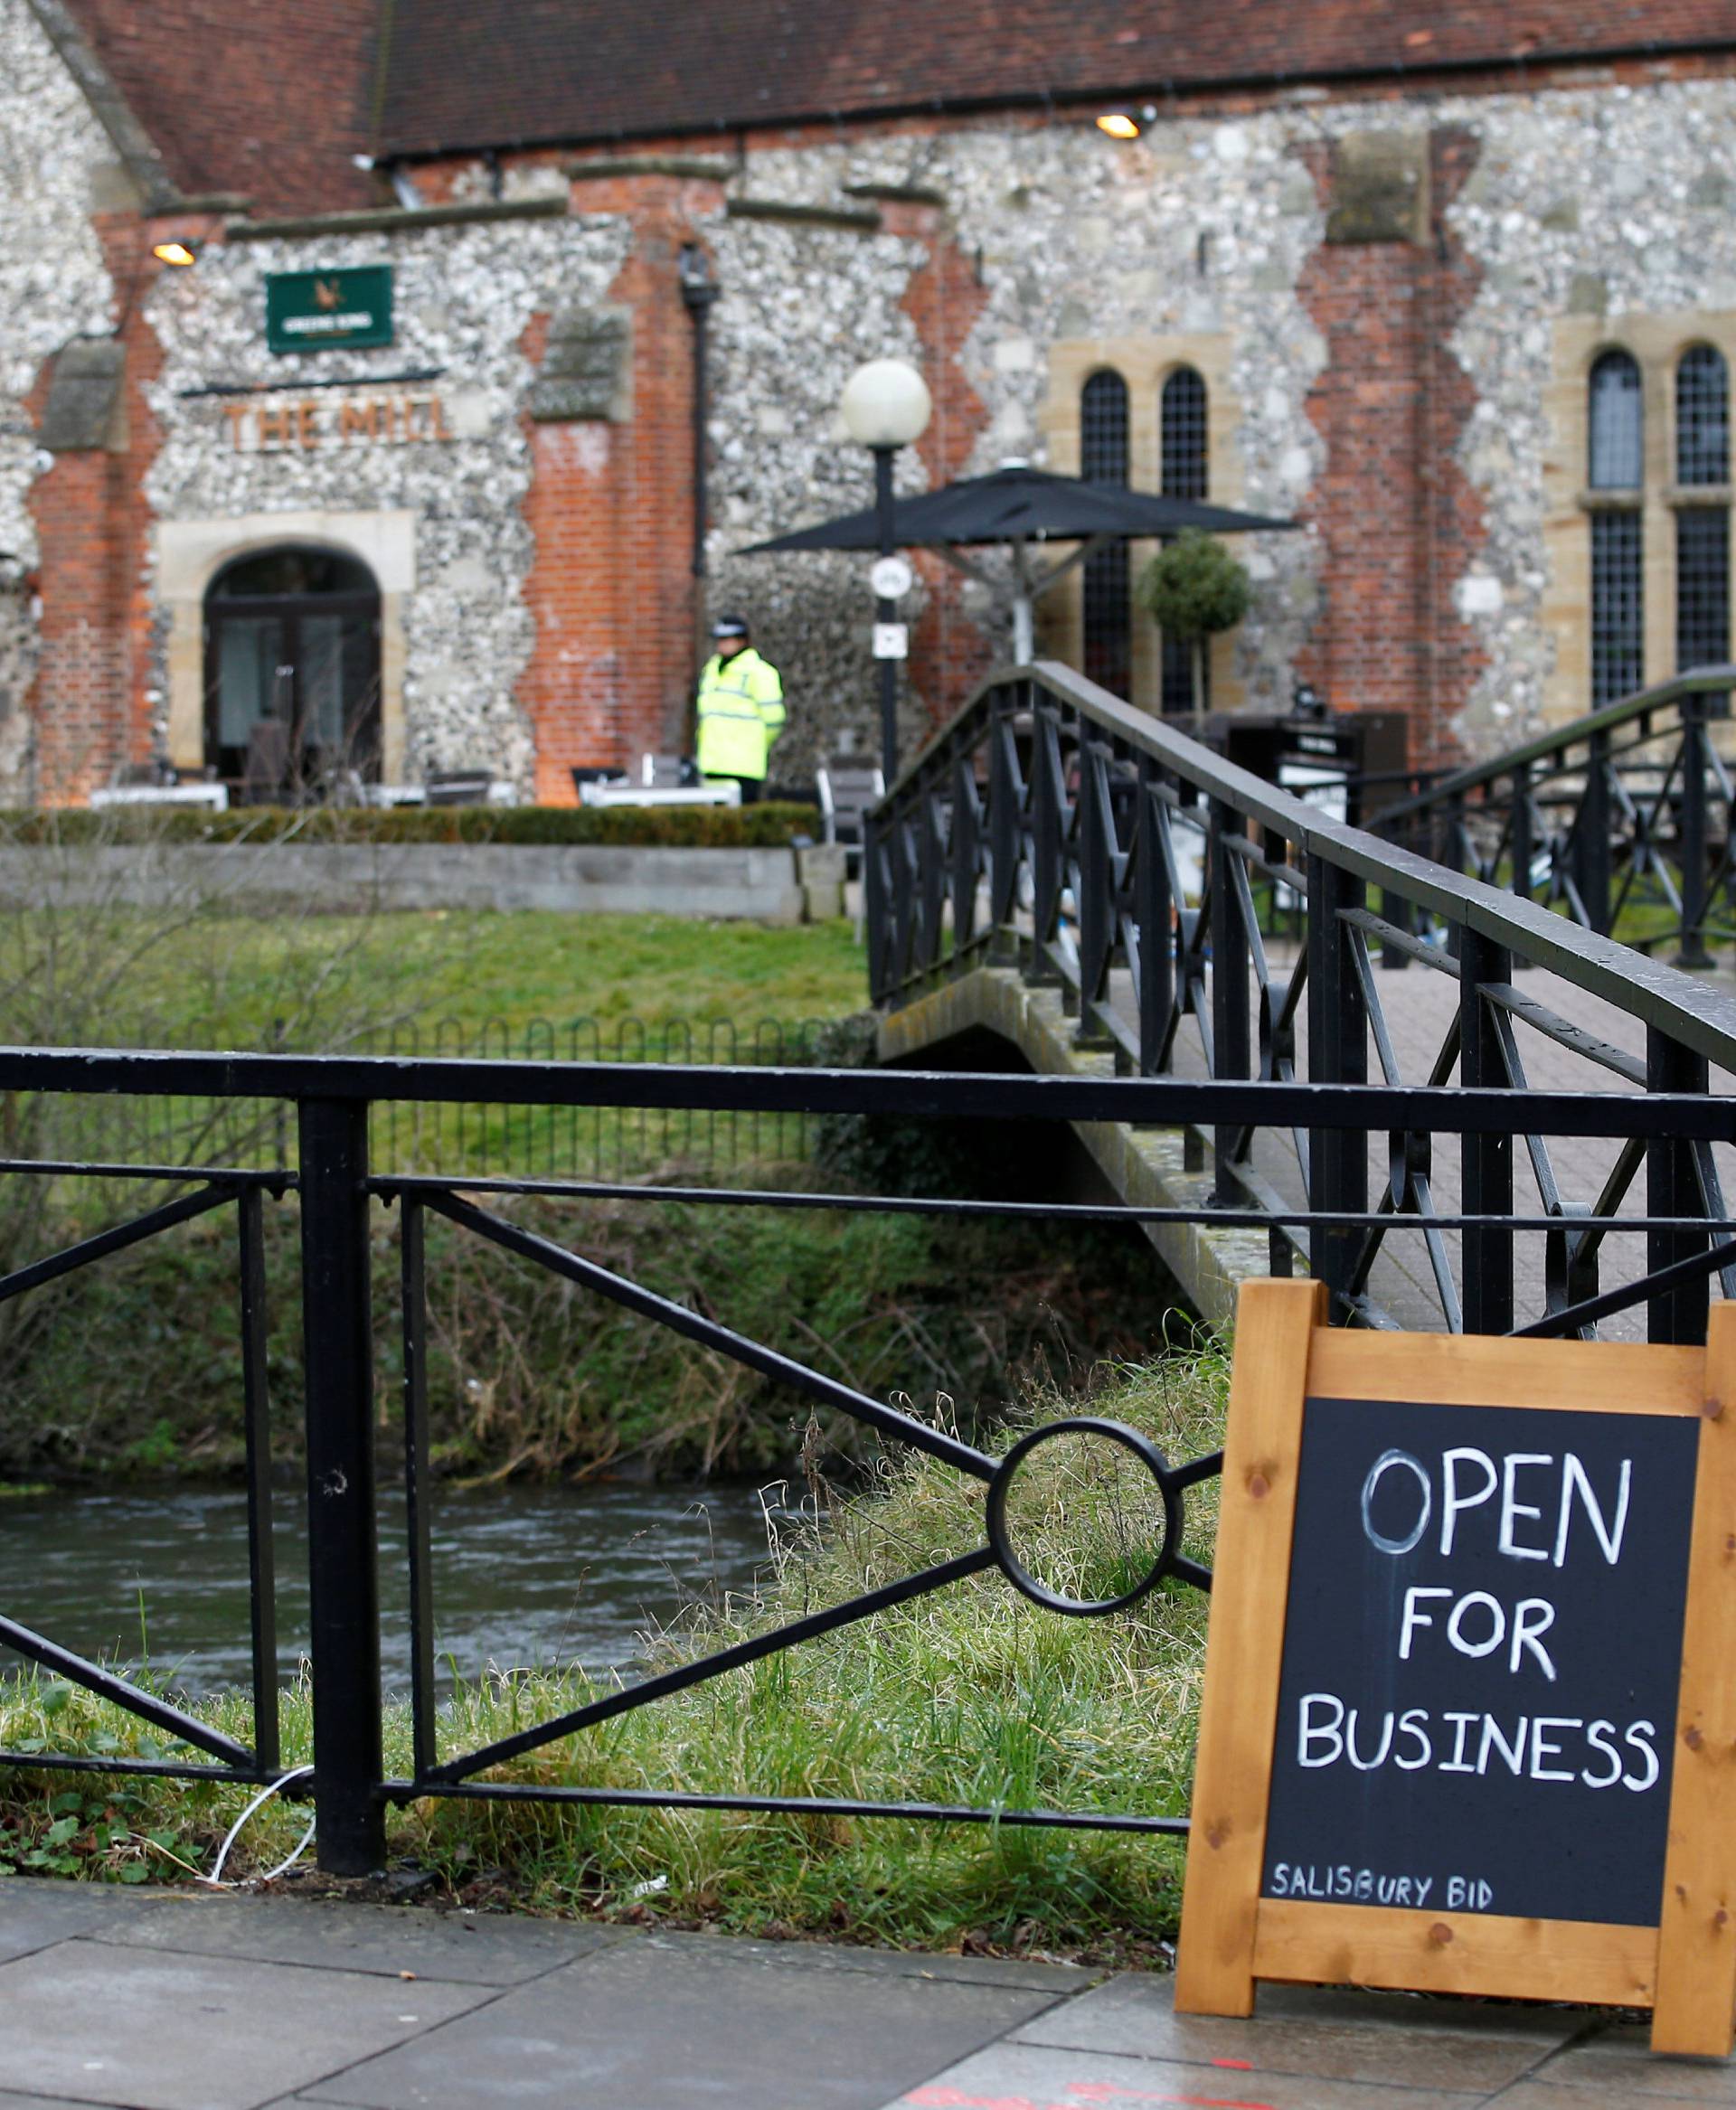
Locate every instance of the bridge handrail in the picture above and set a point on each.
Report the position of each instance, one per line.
(1557, 743)
(1700, 1017)
(1053, 827)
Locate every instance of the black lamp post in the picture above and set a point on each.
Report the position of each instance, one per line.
(886, 405)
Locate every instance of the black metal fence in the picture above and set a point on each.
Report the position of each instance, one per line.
(1192, 920)
(1620, 820)
(333, 1106)
(548, 1142)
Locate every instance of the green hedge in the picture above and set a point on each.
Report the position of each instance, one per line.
(688, 828)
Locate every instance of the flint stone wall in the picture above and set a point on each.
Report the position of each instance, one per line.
(464, 298)
(56, 167)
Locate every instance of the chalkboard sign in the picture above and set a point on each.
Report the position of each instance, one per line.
(1471, 1677)
(1481, 1653)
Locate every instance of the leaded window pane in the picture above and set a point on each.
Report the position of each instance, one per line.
(1107, 606)
(1182, 436)
(1617, 607)
(1701, 587)
(1616, 449)
(1701, 417)
(1182, 420)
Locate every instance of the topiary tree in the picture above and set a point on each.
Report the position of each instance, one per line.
(1193, 589)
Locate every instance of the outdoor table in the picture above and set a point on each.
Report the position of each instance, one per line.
(728, 794)
(214, 796)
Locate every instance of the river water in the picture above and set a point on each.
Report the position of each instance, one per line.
(524, 1576)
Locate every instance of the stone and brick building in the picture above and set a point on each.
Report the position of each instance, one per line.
(1453, 288)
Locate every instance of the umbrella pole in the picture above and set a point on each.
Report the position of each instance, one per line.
(1024, 627)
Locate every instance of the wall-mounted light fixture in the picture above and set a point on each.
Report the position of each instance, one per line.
(177, 251)
(1126, 123)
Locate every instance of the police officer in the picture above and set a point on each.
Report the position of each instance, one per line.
(740, 709)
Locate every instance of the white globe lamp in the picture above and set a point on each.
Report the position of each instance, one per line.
(885, 403)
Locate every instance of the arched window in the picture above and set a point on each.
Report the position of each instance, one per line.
(1103, 459)
(292, 672)
(1702, 532)
(1615, 459)
(1701, 417)
(1618, 460)
(1181, 419)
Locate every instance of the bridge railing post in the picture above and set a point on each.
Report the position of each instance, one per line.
(1591, 835)
(1231, 962)
(1672, 1188)
(338, 1362)
(1047, 803)
(1486, 1160)
(1520, 845)
(1695, 761)
(1095, 903)
(1006, 792)
(1156, 913)
(1337, 1054)
(875, 907)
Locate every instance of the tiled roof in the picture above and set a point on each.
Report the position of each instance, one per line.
(274, 98)
(271, 99)
(467, 73)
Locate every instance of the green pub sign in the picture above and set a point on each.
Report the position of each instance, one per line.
(318, 311)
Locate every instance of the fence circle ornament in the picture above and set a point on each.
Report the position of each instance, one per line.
(1000, 1540)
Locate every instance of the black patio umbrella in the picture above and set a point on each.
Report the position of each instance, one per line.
(1019, 506)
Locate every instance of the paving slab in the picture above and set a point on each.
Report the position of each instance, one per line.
(466, 1948)
(108, 2025)
(1616, 2066)
(8, 2101)
(664, 2024)
(1036, 2077)
(1059, 1980)
(1451, 2044)
(33, 1914)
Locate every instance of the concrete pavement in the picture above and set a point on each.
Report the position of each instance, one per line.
(189, 2001)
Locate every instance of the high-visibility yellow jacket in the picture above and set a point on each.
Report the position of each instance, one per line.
(741, 713)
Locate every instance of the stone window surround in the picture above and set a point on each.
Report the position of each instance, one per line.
(190, 553)
(1145, 364)
(1658, 343)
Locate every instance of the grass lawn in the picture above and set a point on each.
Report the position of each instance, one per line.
(226, 978)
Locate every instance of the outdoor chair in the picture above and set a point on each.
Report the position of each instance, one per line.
(267, 770)
(666, 773)
(846, 790)
(459, 786)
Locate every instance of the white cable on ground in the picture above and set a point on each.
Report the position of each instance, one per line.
(215, 1878)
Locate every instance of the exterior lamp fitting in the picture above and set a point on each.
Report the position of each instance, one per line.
(177, 251)
(1126, 123)
(699, 286)
(885, 403)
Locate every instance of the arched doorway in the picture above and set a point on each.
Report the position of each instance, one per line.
(292, 675)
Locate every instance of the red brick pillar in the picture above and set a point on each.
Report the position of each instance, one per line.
(950, 653)
(610, 509)
(87, 702)
(1385, 289)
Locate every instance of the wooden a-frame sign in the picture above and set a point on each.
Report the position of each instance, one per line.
(1470, 1719)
